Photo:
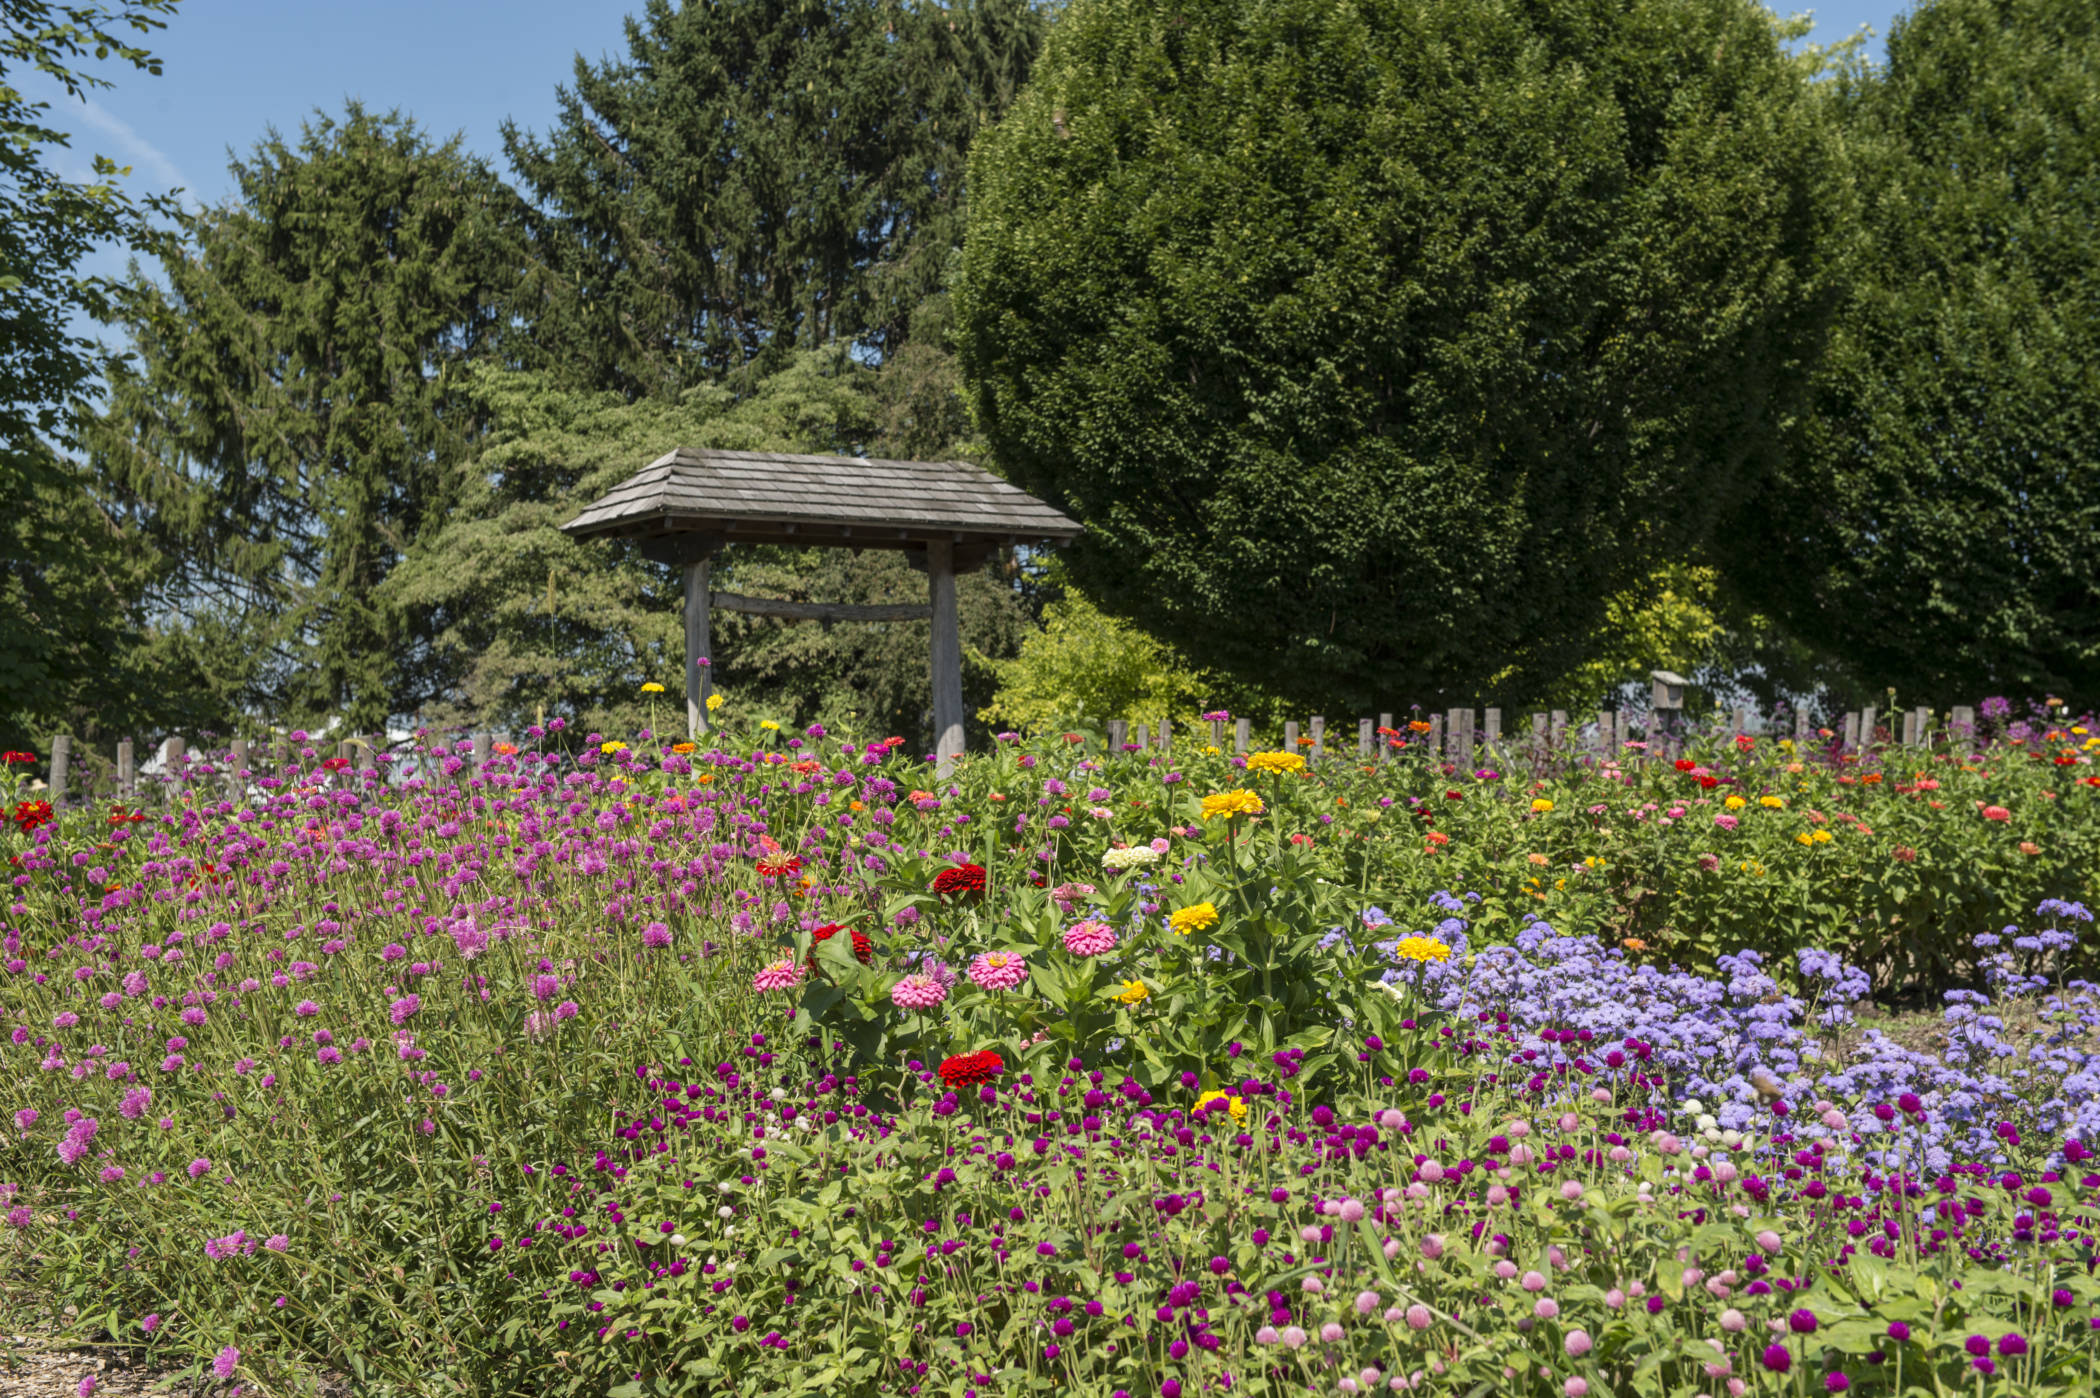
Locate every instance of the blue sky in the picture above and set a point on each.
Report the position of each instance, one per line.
(234, 68)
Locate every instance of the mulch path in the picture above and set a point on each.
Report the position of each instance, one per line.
(39, 1364)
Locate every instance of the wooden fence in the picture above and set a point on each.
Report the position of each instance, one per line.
(1462, 737)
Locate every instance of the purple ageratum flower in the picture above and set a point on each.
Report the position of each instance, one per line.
(998, 970)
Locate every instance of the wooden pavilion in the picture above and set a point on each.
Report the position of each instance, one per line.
(684, 507)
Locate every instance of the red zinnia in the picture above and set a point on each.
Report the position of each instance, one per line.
(11, 758)
(780, 868)
(30, 814)
(963, 879)
(971, 1069)
(863, 949)
(335, 764)
(1685, 764)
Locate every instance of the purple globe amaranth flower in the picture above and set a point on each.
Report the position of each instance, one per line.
(1777, 1358)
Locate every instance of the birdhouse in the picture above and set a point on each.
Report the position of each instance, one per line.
(1669, 690)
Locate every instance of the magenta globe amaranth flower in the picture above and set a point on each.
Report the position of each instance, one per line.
(1777, 1358)
(1802, 1322)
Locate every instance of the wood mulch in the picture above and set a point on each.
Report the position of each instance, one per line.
(38, 1363)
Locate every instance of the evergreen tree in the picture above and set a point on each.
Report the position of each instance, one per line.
(761, 175)
(293, 427)
(1379, 345)
(1939, 528)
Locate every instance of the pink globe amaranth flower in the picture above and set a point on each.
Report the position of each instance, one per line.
(656, 935)
(1577, 1343)
(19, 1216)
(998, 970)
(545, 987)
(1577, 1387)
(1366, 1302)
(1533, 1281)
(1331, 1332)
(784, 974)
(277, 1242)
(225, 1362)
(1089, 938)
(135, 1103)
(1419, 1317)
(150, 1322)
(1734, 1321)
(918, 992)
(1433, 1246)
(1295, 1336)
(401, 1010)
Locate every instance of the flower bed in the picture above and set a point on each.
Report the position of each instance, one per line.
(342, 1073)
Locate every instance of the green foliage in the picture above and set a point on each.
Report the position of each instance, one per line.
(524, 620)
(293, 426)
(1938, 527)
(1378, 345)
(756, 176)
(68, 597)
(1669, 622)
(1084, 667)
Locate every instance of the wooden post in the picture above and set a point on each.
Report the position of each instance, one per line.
(1385, 740)
(1866, 728)
(61, 759)
(1800, 725)
(1961, 723)
(1925, 725)
(1621, 733)
(127, 770)
(1217, 734)
(1363, 737)
(1436, 737)
(1118, 731)
(1558, 731)
(1137, 737)
(483, 744)
(947, 654)
(1242, 734)
(1604, 732)
(1494, 728)
(237, 779)
(280, 757)
(1319, 737)
(1851, 731)
(1910, 730)
(1290, 735)
(1166, 735)
(699, 645)
(1742, 722)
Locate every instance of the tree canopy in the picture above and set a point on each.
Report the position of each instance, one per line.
(761, 175)
(291, 427)
(68, 590)
(1938, 528)
(1379, 344)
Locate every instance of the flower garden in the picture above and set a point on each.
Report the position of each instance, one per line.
(789, 1066)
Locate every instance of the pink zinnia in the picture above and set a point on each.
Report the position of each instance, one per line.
(781, 975)
(1726, 821)
(998, 970)
(1089, 938)
(918, 992)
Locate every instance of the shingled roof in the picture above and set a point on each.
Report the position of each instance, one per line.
(861, 502)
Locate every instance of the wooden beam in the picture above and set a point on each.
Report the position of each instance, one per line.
(698, 647)
(822, 611)
(946, 655)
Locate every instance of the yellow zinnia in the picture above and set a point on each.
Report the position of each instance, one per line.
(1804, 838)
(1276, 762)
(1772, 803)
(1823, 837)
(1232, 803)
(652, 688)
(1234, 1105)
(1735, 803)
(1421, 949)
(770, 726)
(1541, 806)
(1132, 992)
(714, 701)
(1193, 918)
(613, 747)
